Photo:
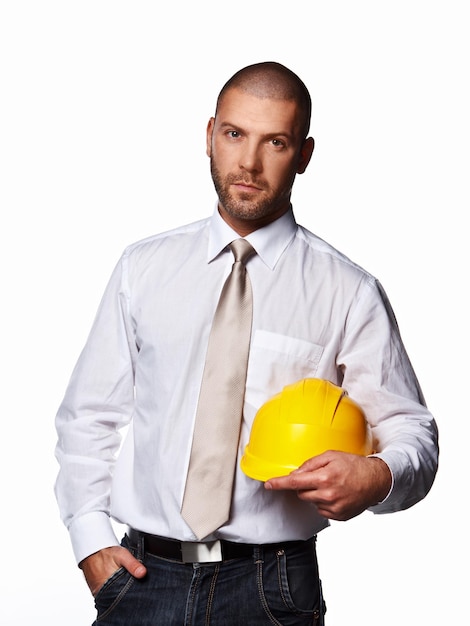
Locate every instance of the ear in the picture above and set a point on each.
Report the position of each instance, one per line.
(209, 131)
(305, 154)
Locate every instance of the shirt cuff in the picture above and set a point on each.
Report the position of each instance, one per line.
(379, 456)
(401, 482)
(91, 533)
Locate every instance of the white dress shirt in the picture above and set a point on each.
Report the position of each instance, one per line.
(316, 314)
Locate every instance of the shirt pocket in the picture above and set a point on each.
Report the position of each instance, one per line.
(276, 361)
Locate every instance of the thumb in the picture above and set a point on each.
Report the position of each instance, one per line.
(132, 565)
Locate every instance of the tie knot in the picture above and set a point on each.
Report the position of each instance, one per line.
(242, 250)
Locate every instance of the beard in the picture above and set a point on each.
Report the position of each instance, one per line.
(244, 206)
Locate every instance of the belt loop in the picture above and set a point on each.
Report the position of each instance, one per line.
(139, 541)
(258, 554)
(141, 548)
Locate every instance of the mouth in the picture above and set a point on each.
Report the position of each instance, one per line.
(246, 187)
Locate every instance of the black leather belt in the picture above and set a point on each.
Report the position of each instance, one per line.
(201, 552)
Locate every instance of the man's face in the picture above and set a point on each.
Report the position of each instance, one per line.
(256, 149)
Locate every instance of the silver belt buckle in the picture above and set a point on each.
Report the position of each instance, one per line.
(207, 552)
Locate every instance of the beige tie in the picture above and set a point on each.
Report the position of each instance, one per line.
(208, 492)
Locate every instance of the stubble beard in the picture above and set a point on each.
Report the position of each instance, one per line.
(244, 206)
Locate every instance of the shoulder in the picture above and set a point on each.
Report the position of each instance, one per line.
(323, 252)
(182, 236)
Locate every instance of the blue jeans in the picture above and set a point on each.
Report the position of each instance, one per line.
(271, 587)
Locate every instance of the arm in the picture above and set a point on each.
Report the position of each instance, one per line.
(378, 375)
(97, 403)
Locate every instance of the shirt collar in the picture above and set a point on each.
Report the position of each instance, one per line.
(269, 241)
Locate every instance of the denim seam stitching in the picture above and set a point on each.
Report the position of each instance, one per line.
(264, 603)
(191, 596)
(210, 599)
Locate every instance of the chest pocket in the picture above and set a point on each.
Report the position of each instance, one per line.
(278, 360)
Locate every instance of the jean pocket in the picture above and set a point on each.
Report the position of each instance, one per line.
(292, 587)
(112, 592)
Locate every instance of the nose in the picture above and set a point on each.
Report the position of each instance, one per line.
(250, 157)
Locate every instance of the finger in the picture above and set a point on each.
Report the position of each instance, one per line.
(316, 462)
(295, 481)
(279, 483)
(325, 507)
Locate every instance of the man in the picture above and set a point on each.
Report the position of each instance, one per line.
(314, 314)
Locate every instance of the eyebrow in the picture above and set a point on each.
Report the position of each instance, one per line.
(227, 125)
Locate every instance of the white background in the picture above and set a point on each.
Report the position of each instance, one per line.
(103, 111)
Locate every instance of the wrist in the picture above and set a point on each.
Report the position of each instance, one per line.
(382, 479)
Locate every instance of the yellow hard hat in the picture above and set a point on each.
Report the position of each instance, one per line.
(307, 418)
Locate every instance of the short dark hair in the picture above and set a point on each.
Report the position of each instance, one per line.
(272, 80)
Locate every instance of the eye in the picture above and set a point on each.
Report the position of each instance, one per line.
(278, 143)
(233, 134)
